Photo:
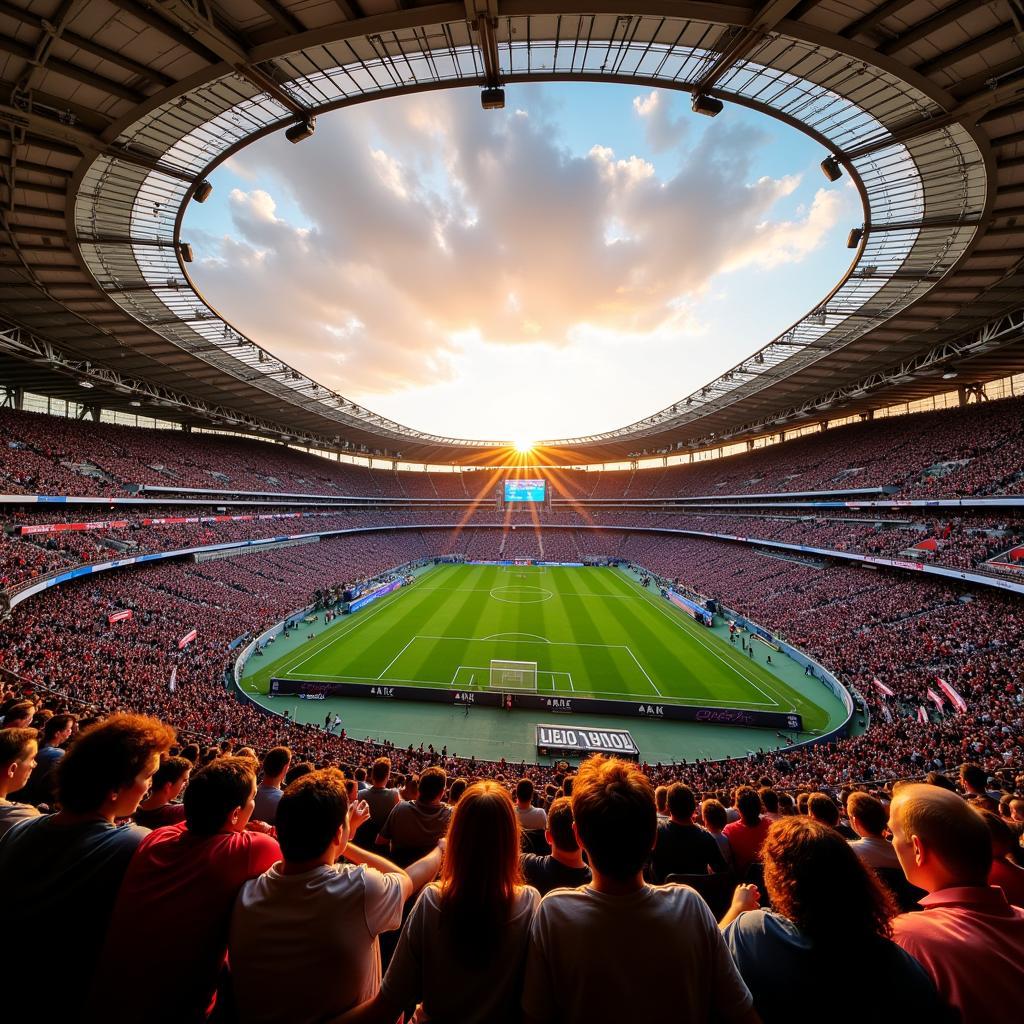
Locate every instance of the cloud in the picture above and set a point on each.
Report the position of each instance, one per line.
(662, 130)
(368, 255)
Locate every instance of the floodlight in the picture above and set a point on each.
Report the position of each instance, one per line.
(706, 105)
(831, 169)
(202, 192)
(301, 130)
(950, 373)
(854, 237)
(493, 99)
(186, 251)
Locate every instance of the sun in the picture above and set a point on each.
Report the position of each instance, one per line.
(522, 446)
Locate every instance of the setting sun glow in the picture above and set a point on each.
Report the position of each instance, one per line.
(523, 447)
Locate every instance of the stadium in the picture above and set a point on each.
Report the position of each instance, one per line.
(306, 714)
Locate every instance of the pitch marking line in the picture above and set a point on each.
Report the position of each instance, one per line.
(734, 665)
(511, 637)
(396, 657)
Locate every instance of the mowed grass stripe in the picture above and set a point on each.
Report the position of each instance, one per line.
(588, 638)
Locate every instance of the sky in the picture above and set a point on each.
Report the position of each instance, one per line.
(577, 261)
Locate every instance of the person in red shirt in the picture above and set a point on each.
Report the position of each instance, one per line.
(968, 938)
(167, 941)
(747, 836)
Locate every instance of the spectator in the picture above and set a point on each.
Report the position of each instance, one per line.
(968, 937)
(563, 868)
(770, 802)
(589, 946)
(714, 818)
(55, 732)
(869, 820)
(821, 807)
(183, 881)
(77, 857)
(683, 848)
(159, 808)
(661, 803)
(1004, 873)
(275, 767)
(19, 715)
(748, 833)
(530, 818)
(381, 800)
(17, 761)
(974, 781)
(414, 826)
(303, 939)
(827, 910)
(462, 951)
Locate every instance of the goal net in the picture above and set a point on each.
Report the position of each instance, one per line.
(513, 675)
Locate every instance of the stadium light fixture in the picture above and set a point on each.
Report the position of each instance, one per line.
(301, 131)
(203, 191)
(831, 169)
(186, 252)
(706, 105)
(86, 384)
(854, 237)
(492, 99)
(950, 373)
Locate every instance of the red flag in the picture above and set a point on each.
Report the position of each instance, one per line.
(922, 715)
(954, 698)
(125, 613)
(885, 689)
(187, 639)
(933, 696)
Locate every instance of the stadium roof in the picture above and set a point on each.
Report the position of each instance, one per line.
(117, 110)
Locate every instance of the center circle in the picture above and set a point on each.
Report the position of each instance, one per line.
(521, 595)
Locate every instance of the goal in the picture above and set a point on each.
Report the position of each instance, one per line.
(513, 675)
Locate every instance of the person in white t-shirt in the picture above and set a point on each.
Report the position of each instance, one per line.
(303, 942)
(619, 949)
(530, 817)
(463, 949)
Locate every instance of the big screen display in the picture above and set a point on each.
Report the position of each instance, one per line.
(524, 490)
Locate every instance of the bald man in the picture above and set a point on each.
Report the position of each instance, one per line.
(968, 937)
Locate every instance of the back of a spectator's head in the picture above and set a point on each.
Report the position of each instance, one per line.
(190, 752)
(19, 715)
(1002, 836)
(682, 803)
(275, 764)
(119, 753)
(560, 825)
(801, 802)
(939, 839)
(432, 784)
(55, 725)
(815, 879)
(171, 771)
(296, 771)
(567, 784)
(973, 777)
(770, 799)
(821, 807)
(220, 796)
(940, 780)
(661, 799)
(748, 803)
(524, 791)
(380, 770)
(869, 812)
(614, 815)
(360, 775)
(455, 791)
(311, 815)
(714, 814)
(787, 805)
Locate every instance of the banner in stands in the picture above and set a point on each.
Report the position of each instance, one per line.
(788, 720)
(187, 639)
(567, 741)
(119, 616)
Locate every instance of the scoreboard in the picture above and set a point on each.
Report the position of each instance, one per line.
(525, 491)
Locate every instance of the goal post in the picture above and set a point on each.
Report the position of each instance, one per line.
(513, 675)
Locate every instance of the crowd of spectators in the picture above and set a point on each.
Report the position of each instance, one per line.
(269, 885)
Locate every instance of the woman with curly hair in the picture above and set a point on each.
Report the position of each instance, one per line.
(463, 949)
(829, 915)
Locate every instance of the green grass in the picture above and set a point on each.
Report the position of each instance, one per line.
(592, 631)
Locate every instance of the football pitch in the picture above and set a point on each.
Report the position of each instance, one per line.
(593, 632)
